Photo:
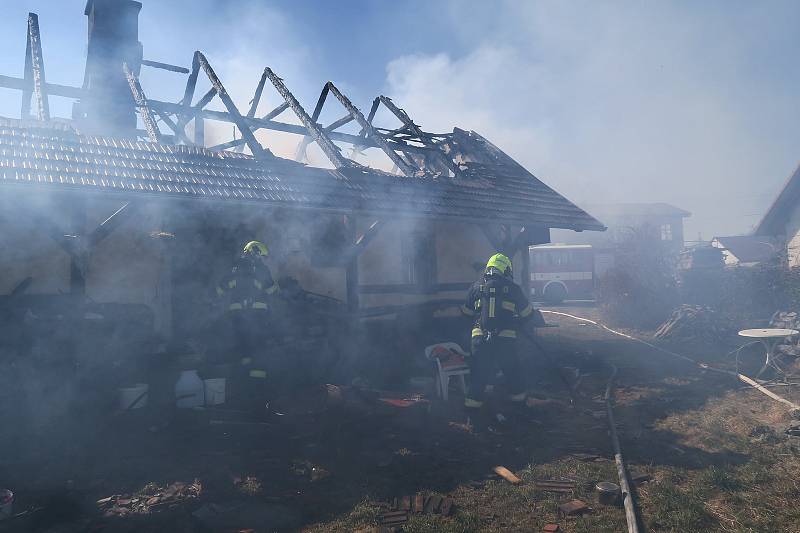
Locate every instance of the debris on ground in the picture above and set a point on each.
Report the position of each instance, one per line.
(402, 507)
(507, 474)
(574, 507)
(150, 499)
(553, 485)
(551, 528)
(693, 323)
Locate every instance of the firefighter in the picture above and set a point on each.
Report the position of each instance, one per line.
(498, 306)
(247, 292)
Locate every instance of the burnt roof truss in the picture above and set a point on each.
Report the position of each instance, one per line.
(412, 151)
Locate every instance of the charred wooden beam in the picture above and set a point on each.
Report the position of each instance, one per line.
(37, 68)
(338, 123)
(165, 66)
(257, 96)
(188, 94)
(275, 112)
(331, 150)
(259, 152)
(141, 102)
(409, 124)
(180, 132)
(300, 153)
(254, 103)
(54, 89)
(297, 129)
(109, 225)
(404, 167)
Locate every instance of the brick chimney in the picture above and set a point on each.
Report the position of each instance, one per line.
(113, 40)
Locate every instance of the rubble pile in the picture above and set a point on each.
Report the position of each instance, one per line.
(693, 323)
(150, 499)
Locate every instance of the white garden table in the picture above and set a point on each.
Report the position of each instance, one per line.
(770, 338)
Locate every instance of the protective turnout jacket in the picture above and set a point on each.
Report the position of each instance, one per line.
(248, 286)
(498, 305)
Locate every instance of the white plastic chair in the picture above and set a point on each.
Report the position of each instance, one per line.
(450, 362)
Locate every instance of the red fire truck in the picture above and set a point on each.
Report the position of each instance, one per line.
(562, 271)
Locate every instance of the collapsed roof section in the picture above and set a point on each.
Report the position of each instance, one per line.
(453, 175)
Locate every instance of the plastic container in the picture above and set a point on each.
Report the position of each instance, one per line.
(607, 493)
(214, 391)
(133, 397)
(189, 390)
(6, 504)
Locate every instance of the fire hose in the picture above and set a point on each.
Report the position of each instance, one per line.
(741, 377)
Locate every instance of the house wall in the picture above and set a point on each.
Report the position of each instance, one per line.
(134, 264)
(619, 227)
(460, 246)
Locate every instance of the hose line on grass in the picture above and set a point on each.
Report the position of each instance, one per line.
(741, 377)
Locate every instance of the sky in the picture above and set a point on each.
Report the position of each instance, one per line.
(690, 103)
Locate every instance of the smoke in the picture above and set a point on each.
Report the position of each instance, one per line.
(621, 101)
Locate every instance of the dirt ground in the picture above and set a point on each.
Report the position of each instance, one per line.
(708, 454)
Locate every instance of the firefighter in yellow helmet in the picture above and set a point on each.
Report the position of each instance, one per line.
(498, 306)
(246, 293)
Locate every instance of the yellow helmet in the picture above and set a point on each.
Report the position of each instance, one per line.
(501, 262)
(256, 248)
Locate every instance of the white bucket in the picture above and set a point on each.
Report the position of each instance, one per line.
(129, 395)
(189, 390)
(215, 391)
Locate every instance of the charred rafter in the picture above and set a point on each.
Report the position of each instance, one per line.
(141, 103)
(412, 150)
(34, 73)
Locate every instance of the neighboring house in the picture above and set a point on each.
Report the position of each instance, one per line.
(747, 250)
(114, 218)
(660, 222)
(782, 220)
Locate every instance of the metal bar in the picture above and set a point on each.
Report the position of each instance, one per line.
(371, 133)
(37, 68)
(165, 66)
(141, 102)
(416, 130)
(258, 151)
(331, 150)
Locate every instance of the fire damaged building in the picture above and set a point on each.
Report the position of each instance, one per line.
(136, 215)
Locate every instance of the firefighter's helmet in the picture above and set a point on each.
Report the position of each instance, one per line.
(501, 263)
(256, 248)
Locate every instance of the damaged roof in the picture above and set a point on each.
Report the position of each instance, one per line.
(490, 188)
(776, 218)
